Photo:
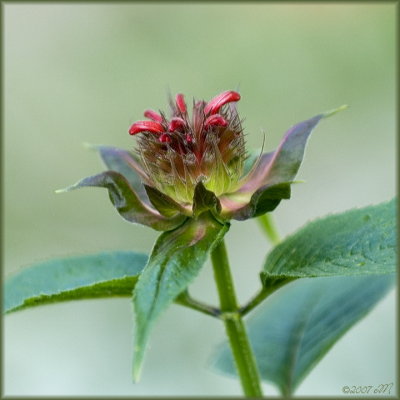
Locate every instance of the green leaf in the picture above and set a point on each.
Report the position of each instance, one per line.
(127, 202)
(165, 204)
(356, 242)
(264, 200)
(295, 327)
(283, 164)
(126, 164)
(204, 200)
(175, 261)
(97, 275)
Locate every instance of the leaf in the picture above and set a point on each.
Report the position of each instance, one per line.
(204, 200)
(295, 327)
(126, 201)
(175, 261)
(97, 275)
(126, 164)
(165, 204)
(264, 200)
(285, 161)
(283, 164)
(356, 242)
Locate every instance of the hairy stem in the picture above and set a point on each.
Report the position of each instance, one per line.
(236, 331)
(268, 226)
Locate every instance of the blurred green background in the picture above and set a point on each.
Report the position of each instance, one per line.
(78, 73)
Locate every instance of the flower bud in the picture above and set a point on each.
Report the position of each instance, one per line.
(207, 146)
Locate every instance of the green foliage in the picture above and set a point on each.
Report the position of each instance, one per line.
(356, 242)
(129, 205)
(175, 261)
(124, 162)
(164, 204)
(204, 200)
(97, 275)
(264, 200)
(295, 327)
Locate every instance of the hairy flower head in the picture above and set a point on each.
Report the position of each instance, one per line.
(206, 145)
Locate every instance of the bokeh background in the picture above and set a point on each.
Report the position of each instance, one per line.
(76, 73)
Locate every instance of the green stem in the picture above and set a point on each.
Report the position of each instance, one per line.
(186, 300)
(269, 228)
(262, 295)
(235, 328)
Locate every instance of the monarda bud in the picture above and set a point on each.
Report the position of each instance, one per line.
(207, 146)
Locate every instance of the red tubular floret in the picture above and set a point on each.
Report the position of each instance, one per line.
(146, 126)
(180, 102)
(176, 124)
(155, 116)
(215, 120)
(217, 102)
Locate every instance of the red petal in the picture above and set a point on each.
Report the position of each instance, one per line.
(215, 120)
(176, 123)
(146, 126)
(217, 102)
(188, 138)
(153, 115)
(164, 138)
(180, 103)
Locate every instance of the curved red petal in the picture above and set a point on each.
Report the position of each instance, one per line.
(180, 103)
(151, 114)
(146, 126)
(176, 123)
(223, 98)
(215, 120)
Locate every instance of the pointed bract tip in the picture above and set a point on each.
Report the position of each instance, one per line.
(68, 188)
(58, 191)
(334, 111)
(89, 146)
(136, 371)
